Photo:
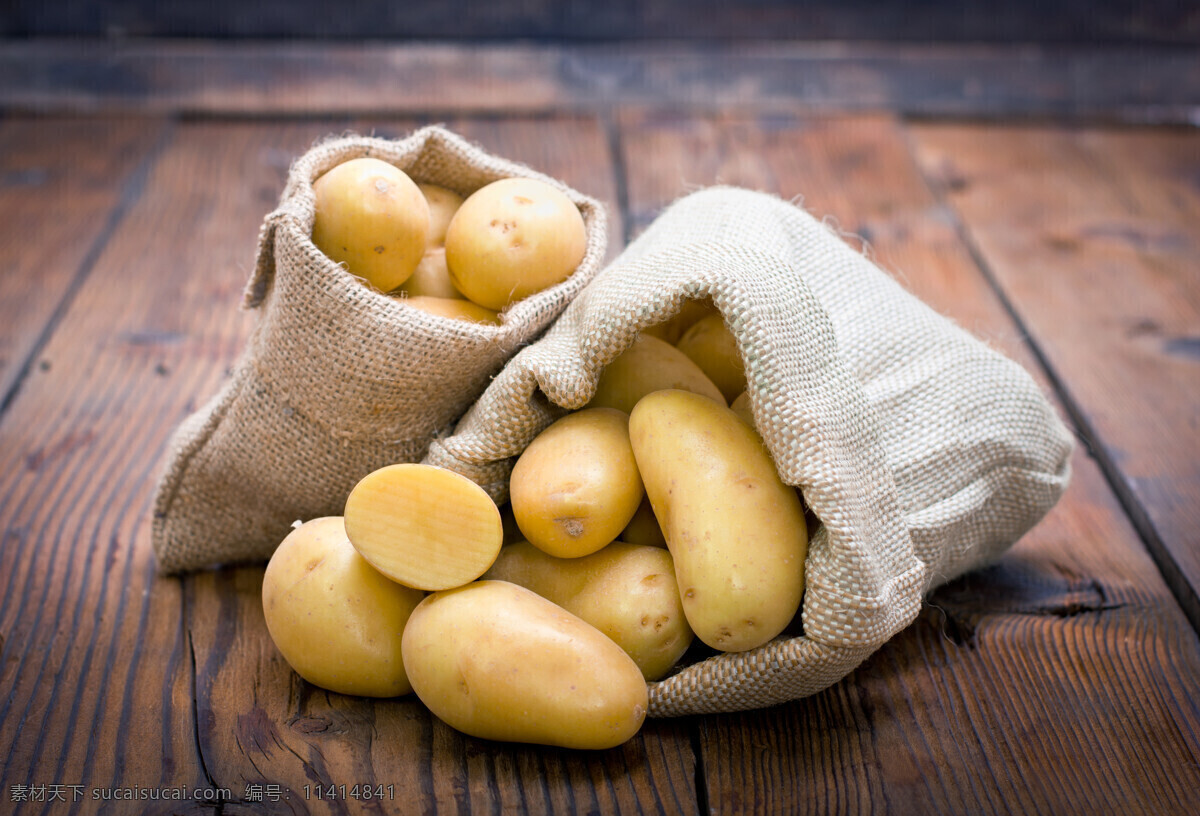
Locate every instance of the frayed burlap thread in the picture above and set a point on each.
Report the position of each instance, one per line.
(923, 452)
(337, 379)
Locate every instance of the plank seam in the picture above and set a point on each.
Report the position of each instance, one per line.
(184, 616)
(1168, 569)
(616, 149)
(131, 191)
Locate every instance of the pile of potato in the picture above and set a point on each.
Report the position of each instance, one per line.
(467, 260)
(652, 516)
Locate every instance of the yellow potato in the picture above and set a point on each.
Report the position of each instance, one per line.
(672, 329)
(710, 344)
(424, 526)
(626, 591)
(431, 277)
(511, 239)
(496, 661)
(371, 217)
(576, 486)
(443, 204)
(454, 308)
(334, 618)
(741, 407)
(735, 530)
(644, 528)
(650, 365)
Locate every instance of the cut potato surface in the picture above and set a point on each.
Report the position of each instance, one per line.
(424, 526)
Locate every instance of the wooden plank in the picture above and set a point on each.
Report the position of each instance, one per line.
(440, 78)
(97, 687)
(259, 725)
(1092, 236)
(63, 184)
(1012, 691)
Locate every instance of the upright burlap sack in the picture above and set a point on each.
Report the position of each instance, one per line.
(337, 379)
(923, 452)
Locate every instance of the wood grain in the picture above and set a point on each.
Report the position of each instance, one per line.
(259, 724)
(1092, 236)
(1012, 691)
(437, 78)
(63, 185)
(97, 687)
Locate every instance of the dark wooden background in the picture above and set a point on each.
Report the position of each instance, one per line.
(1159, 22)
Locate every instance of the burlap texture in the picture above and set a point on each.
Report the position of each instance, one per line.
(337, 379)
(924, 452)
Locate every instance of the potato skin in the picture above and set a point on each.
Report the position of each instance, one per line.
(443, 204)
(511, 239)
(497, 661)
(644, 528)
(735, 530)
(576, 486)
(371, 217)
(454, 308)
(711, 345)
(334, 618)
(431, 277)
(649, 365)
(673, 328)
(627, 591)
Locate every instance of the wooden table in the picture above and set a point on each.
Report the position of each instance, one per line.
(1060, 226)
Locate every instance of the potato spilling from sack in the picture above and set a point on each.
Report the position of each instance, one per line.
(627, 591)
(576, 486)
(735, 530)
(336, 620)
(497, 661)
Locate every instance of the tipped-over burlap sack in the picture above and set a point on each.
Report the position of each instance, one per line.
(337, 379)
(923, 452)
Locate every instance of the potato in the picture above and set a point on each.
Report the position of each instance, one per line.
(644, 528)
(424, 526)
(371, 217)
(334, 618)
(511, 239)
(649, 365)
(576, 486)
(627, 591)
(454, 308)
(443, 204)
(672, 329)
(496, 661)
(734, 529)
(741, 407)
(711, 345)
(431, 277)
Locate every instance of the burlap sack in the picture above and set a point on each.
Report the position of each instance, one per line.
(923, 452)
(337, 379)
